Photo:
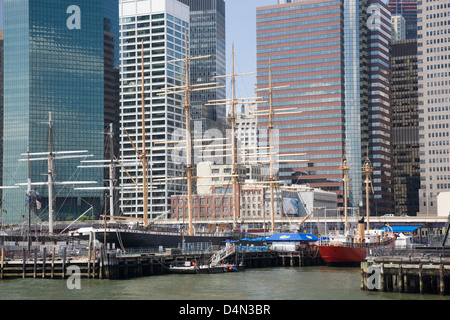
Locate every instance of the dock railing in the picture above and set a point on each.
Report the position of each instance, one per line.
(410, 251)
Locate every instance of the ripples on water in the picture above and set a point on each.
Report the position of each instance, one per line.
(300, 283)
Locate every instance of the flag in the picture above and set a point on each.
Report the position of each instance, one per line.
(38, 202)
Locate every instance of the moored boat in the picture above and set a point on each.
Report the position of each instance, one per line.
(351, 249)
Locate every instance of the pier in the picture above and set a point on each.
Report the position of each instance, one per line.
(61, 262)
(423, 271)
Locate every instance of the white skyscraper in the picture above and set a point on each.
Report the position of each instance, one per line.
(434, 102)
(161, 25)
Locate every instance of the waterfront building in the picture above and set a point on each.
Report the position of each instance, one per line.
(57, 58)
(434, 105)
(162, 26)
(214, 176)
(408, 10)
(405, 127)
(207, 25)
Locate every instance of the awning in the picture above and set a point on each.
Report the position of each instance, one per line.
(400, 228)
(255, 239)
(292, 237)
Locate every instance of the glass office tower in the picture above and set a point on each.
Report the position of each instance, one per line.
(336, 69)
(55, 61)
(303, 41)
(207, 19)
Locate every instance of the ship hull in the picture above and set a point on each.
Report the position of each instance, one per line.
(333, 254)
(354, 254)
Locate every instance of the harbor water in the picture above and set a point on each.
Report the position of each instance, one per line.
(281, 283)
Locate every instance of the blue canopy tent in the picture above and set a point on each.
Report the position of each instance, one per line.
(292, 237)
(404, 229)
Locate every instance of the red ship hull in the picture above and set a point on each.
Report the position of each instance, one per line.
(342, 254)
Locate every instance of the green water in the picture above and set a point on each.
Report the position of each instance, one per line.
(299, 283)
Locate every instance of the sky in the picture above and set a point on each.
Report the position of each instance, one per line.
(240, 16)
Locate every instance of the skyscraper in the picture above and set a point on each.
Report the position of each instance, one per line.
(380, 111)
(405, 127)
(162, 26)
(55, 57)
(408, 10)
(434, 102)
(302, 42)
(336, 64)
(398, 27)
(207, 21)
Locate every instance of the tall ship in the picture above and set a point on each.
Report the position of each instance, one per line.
(352, 247)
(139, 232)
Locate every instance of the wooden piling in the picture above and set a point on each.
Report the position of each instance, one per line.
(35, 264)
(44, 259)
(441, 279)
(89, 262)
(24, 262)
(382, 278)
(400, 279)
(2, 263)
(52, 272)
(420, 278)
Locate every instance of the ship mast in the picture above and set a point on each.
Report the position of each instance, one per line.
(270, 113)
(187, 89)
(50, 175)
(51, 157)
(367, 169)
(232, 102)
(144, 152)
(345, 168)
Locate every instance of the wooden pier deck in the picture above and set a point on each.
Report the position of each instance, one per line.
(99, 264)
(404, 274)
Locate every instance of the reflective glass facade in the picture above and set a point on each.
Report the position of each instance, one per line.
(304, 43)
(338, 76)
(380, 110)
(55, 62)
(356, 94)
(405, 127)
(207, 20)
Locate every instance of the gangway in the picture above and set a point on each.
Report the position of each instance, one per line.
(217, 258)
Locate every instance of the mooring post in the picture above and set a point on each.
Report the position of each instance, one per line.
(24, 265)
(441, 279)
(400, 279)
(44, 257)
(35, 264)
(2, 262)
(53, 263)
(420, 278)
(63, 266)
(382, 278)
(89, 262)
